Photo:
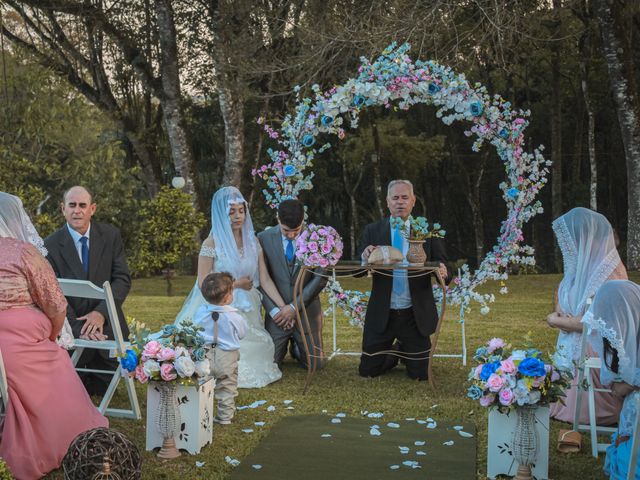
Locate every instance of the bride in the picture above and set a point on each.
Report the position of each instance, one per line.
(232, 247)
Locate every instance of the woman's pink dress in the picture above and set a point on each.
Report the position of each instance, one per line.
(48, 405)
(607, 406)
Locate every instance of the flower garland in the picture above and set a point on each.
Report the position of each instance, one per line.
(394, 79)
(353, 303)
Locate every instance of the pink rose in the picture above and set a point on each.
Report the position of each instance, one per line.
(476, 374)
(166, 354)
(495, 343)
(140, 375)
(326, 248)
(507, 366)
(323, 262)
(322, 231)
(506, 396)
(167, 372)
(495, 382)
(151, 349)
(312, 246)
(314, 236)
(487, 400)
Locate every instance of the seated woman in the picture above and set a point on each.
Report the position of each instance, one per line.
(613, 323)
(590, 259)
(48, 405)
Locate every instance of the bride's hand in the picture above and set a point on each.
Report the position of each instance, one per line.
(244, 283)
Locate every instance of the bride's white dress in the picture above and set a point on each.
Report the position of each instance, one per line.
(256, 367)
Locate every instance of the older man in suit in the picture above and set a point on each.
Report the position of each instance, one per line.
(400, 308)
(279, 246)
(86, 250)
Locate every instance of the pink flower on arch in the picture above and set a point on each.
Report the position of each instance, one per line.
(167, 372)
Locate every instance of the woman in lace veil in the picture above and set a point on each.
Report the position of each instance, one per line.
(232, 247)
(613, 326)
(47, 407)
(590, 258)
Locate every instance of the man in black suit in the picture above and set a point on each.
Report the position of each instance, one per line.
(400, 308)
(86, 250)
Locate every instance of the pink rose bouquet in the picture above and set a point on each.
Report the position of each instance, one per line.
(319, 246)
(176, 354)
(506, 378)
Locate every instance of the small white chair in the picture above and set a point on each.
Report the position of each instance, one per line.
(4, 390)
(584, 373)
(117, 346)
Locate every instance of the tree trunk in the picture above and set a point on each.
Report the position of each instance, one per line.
(591, 129)
(375, 162)
(556, 135)
(628, 111)
(232, 109)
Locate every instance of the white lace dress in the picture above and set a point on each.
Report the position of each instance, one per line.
(256, 367)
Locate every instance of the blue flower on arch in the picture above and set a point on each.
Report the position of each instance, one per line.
(476, 108)
(308, 140)
(504, 133)
(289, 170)
(326, 120)
(433, 88)
(358, 100)
(513, 192)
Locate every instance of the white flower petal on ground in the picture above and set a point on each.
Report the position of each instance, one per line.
(404, 450)
(255, 404)
(363, 412)
(256, 466)
(247, 430)
(260, 424)
(341, 415)
(420, 452)
(449, 443)
(419, 443)
(287, 402)
(375, 415)
(234, 462)
(393, 425)
(421, 422)
(410, 419)
(200, 464)
(465, 434)
(411, 463)
(325, 435)
(435, 406)
(458, 427)
(291, 408)
(336, 420)
(394, 467)
(324, 411)
(270, 408)
(375, 432)
(432, 425)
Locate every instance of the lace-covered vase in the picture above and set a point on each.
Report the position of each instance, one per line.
(168, 419)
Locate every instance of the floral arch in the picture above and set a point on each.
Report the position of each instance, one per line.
(395, 80)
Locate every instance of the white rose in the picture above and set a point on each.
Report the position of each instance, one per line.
(150, 367)
(517, 355)
(181, 352)
(184, 367)
(484, 310)
(203, 368)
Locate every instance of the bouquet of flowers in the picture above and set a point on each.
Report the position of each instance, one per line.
(177, 354)
(353, 303)
(319, 246)
(418, 228)
(506, 378)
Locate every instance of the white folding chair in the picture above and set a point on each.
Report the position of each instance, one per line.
(584, 373)
(635, 443)
(4, 393)
(117, 346)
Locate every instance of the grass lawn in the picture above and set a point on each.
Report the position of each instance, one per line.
(338, 388)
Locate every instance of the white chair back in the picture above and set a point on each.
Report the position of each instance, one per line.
(86, 289)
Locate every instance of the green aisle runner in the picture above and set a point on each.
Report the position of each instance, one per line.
(295, 448)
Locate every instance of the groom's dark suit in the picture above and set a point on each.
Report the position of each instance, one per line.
(284, 275)
(107, 262)
(412, 326)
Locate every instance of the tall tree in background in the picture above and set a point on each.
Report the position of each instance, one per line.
(617, 36)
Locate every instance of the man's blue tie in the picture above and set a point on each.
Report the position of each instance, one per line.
(289, 251)
(85, 254)
(398, 275)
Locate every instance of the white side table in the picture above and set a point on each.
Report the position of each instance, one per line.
(196, 405)
(500, 460)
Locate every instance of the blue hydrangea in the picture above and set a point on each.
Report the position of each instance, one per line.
(476, 108)
(513, 192)
(434, 88)
(504, 133)
(326, 120)
(358, 100)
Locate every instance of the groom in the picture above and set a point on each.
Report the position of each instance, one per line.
(279, 246)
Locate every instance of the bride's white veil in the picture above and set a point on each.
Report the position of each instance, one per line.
(238, 264)
(15, 223)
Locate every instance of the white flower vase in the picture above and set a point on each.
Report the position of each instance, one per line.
(168, 419)
(525, 441)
